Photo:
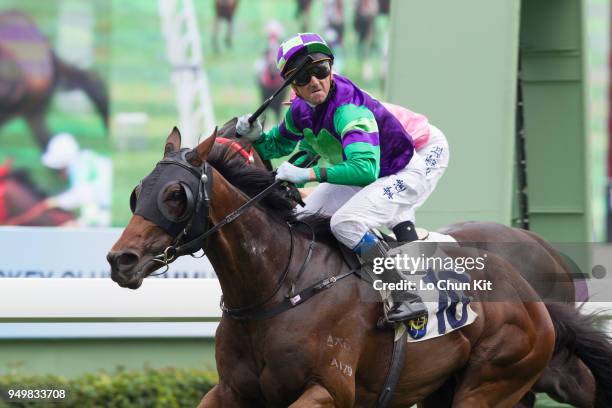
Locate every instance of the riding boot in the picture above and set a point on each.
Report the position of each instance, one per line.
(405, 305)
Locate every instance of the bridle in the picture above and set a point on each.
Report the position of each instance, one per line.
(190, 228)
(194, 234)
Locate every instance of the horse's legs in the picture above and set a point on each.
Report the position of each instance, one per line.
(72, 77)
(221, 397)
(228, 33)
(501, 393)
(442, 398)
(215, 34)
(38, 126)
(315, 397)
(568, 380)
(495, 384)
(528, 401)
(507, 362)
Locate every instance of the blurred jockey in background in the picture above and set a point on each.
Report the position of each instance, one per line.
(269, 78)
(334, 31)
(89, 177)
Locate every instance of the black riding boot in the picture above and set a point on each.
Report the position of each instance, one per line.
(409, 305)
(405, 305)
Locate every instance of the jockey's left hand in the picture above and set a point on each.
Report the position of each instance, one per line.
(249, 131)
(294, 174)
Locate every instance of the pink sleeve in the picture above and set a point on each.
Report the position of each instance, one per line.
(415, 124)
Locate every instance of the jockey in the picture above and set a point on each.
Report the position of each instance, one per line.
(89, 178)
(375, 178)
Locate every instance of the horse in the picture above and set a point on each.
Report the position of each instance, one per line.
(284, 360)
(22, 203)
(566, 379)
(224, 10)
(302, 13)
(30, 72)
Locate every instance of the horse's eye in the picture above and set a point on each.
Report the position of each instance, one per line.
(134, 197)
(177, 195)
(174, 202)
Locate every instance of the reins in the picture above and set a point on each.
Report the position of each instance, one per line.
(253, 311)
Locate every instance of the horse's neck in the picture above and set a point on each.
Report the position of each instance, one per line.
(250, 253)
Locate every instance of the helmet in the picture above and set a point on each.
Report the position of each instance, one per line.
(61, 151)
(293, 51)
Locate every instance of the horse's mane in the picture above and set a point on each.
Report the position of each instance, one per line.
(228, 129)
(252, 180)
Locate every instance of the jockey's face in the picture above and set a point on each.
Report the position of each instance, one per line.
(314, 92)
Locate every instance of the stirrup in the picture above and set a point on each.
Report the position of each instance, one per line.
(413, 313)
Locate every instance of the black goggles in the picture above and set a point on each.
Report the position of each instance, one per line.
(320, 70)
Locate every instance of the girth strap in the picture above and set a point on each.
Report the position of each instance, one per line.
(395, 370)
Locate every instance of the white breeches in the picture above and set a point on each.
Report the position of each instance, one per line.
(387, 201)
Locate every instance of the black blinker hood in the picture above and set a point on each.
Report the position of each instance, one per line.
(174, 168)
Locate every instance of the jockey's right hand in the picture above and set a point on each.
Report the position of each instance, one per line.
(251, 132)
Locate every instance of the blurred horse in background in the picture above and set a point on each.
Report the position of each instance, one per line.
(30, 72)
(22, 203)
(363, 22)
(302, 13)
(224, 10)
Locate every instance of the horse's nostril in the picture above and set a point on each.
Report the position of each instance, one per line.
(123, 260)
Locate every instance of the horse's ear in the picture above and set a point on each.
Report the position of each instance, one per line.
(201, 151)
(173, 142)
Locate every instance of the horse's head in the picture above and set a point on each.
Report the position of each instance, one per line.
(170, 208)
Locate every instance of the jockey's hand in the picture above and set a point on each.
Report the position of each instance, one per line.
(250, 132)
(294, 174)
(50, 202)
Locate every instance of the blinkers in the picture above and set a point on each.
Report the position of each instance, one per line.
(175, 196)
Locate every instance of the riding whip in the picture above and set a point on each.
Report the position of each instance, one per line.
(268, 101)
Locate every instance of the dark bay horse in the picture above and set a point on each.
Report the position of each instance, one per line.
(30, 72)
(21, 203)
(302, 13)
(285, 360)
(224, 10)
(567, 378)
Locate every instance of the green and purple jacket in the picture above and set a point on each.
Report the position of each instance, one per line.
(353, 131)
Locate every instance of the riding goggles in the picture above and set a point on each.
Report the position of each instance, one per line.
(320, 70)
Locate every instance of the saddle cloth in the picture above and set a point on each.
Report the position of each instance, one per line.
(448, 308)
